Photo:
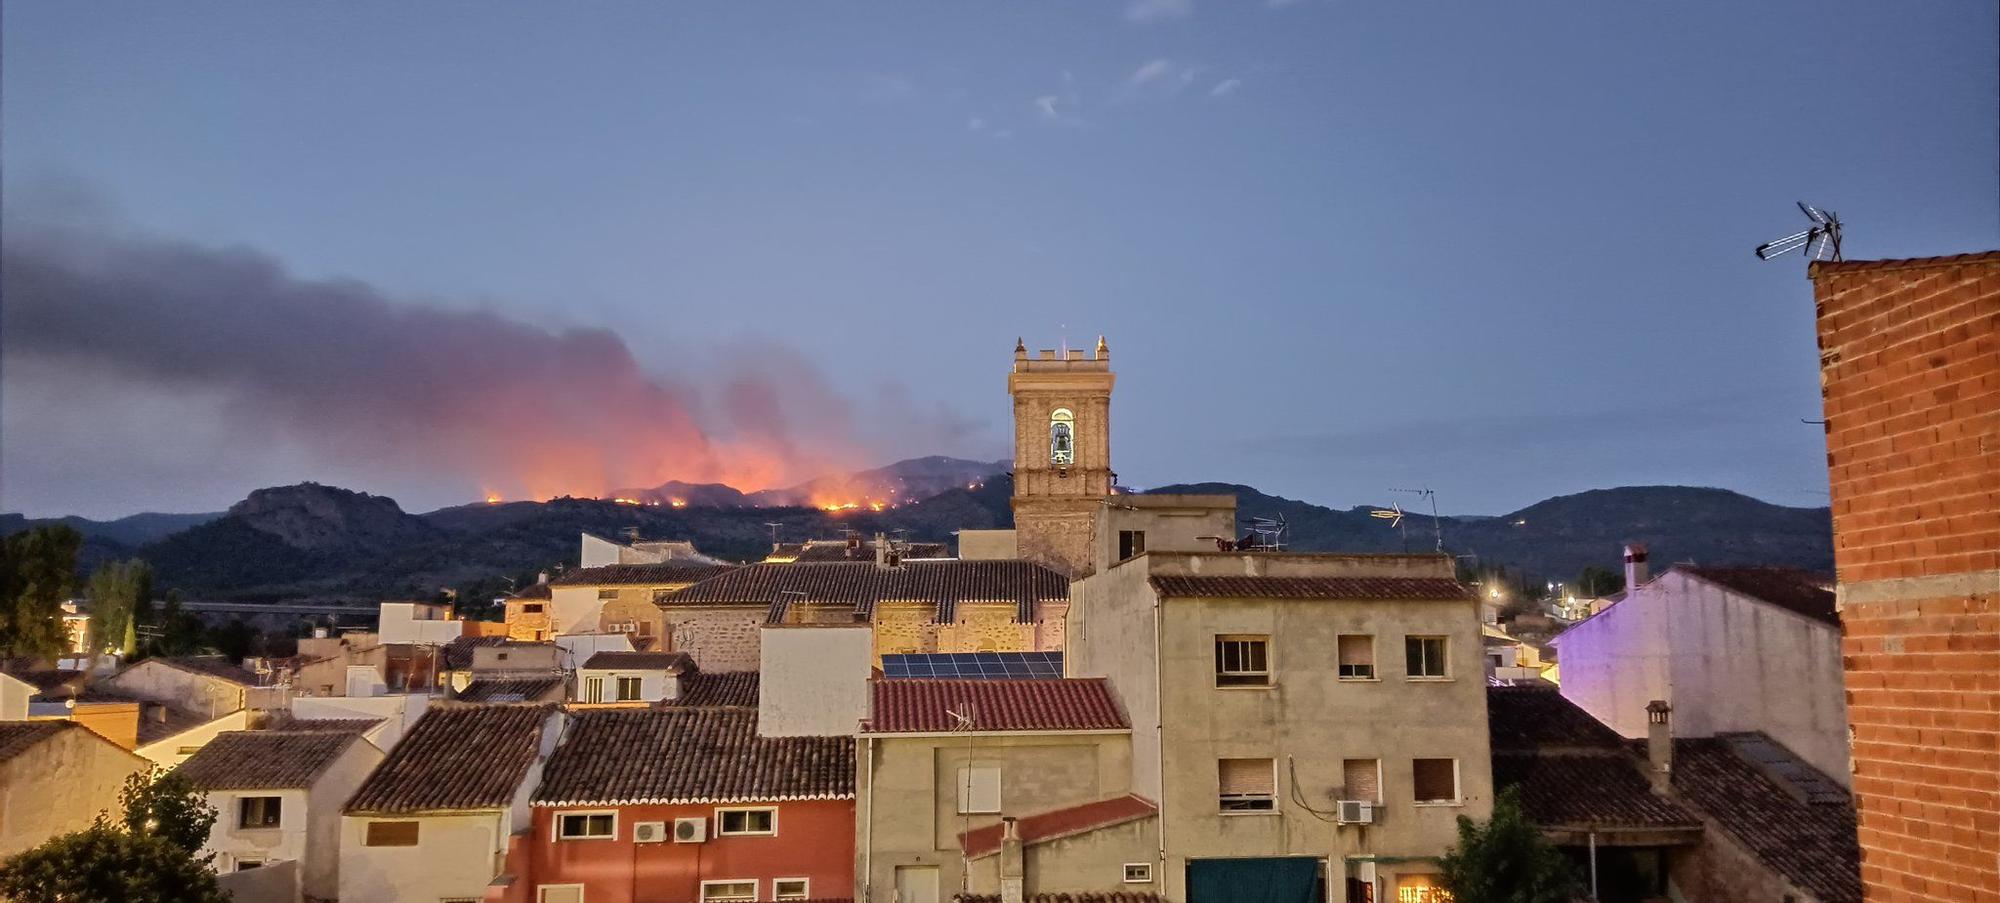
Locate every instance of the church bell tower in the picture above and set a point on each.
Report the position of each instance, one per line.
(1062, 453)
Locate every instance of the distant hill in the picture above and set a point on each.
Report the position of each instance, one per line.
(131, 530)
(915, 478)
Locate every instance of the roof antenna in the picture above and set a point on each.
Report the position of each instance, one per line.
(1820, 242)
(1436, 526)
(774, 525)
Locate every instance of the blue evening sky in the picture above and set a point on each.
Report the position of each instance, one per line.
(1501, 249)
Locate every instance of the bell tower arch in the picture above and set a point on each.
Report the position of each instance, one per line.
(1062, 452)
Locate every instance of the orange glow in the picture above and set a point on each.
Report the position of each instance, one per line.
(875, 506)
(493, 498)
(625, 501)
(679, 503)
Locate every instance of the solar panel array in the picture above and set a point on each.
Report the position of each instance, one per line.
(972, 665)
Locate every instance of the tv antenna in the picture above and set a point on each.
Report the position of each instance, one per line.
(1394, 515)
(1436, 527)
(1270, 533)
(774, 525)
(1820, 242)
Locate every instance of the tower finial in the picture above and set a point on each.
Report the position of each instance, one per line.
(1103, 350)
(1020, 346)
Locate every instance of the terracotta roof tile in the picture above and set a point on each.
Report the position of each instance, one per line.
(640, 574)
(260, 760)
(210, 665)
(836, 550)
(329, 725)
(458, 653)
(862, 586)
(1795, 590)
(721, 688)
(690, 755)
(1812, 845)
(1571, 791)
(1531, 718)
(531, 592)
(1058, 704)
(50, 683)
(1059, 823)
(17, 737)
(1334, 588)
(521, 689)
(641, 661)
(458, 757)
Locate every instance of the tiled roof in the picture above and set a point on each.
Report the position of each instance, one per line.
(17, 737)
(1531, 718)
(836, 550)
(1338, 588)
(325, 725)
(211, 666)
(1087, 896)
(640, 574)
(458, 653)
(1059, 704)
(158, 722)
(1795, 590)
(523, 689)
(1812, 845)
(261, 760)
(1060, 823)
(458, 757)
(862, 586)
(50, 683)
(721, 688)
(1570, 791)
(690, 755)
(641, 661)
(532, 591)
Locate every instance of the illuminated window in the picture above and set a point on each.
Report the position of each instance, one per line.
(1062, 437)
(1420, 889)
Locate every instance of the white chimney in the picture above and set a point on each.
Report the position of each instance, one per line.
(1635, 565)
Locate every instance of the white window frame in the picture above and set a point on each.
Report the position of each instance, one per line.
(1145, 874)
(1268, 674)
(805, 888)
(562, 837)
(968, 794)
(1444, 656)
(705, 885)
(638, 688)
(593, 690)
(720, 831)
(244, 798)
(1457, 783)
(1374, 658)
(541, 891)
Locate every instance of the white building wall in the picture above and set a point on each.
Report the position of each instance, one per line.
(321, 867)
(654, 685)
(418, 623)
(575, 609)
(814, 679)
(398, 713)
(597, 552)
(172, 750)
(14, 693)
(233, 843)
(455, 857)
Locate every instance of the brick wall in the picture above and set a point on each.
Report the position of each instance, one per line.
(1910, 372)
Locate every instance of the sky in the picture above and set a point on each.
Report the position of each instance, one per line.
(443, 250)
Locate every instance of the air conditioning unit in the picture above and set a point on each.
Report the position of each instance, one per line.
(650, 831)
(1357, 812)
(690, 830)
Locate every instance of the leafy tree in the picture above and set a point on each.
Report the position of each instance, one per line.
(1596, 581)
(1506, 860)
(180, 633)
(168, 808)
(37, 573)
(104, 864)
(120, 594)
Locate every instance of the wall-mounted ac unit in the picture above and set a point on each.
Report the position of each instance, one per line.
(690, 830)
(1357, 812)
(650, 832)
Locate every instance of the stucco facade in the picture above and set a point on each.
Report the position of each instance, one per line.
(811, 841)
(1724, 660)
(184, 689)
(59, 784)
(308, 831)
(1305, 722)
(1062, 452)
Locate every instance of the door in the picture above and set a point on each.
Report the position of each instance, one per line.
(560, 893)
(593, 689)
(1290, 879)
(916, 884)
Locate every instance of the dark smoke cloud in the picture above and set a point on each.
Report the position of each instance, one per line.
(354, 376)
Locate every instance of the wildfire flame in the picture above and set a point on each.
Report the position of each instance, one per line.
(679, 503)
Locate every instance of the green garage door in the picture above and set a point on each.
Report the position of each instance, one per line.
(1277, 880)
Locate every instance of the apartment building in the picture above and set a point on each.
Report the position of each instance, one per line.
(1298, 717)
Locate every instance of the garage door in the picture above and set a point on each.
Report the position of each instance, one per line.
(1277, 880)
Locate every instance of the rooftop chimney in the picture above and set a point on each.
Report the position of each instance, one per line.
(1013, 864)
(1660, 743)
(1635, 565)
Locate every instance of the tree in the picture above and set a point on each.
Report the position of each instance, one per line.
(37, 574)
(1506, 860)
(168, 808)
(150, 856)
(1596, 582)
(180, 632)
(119, 596)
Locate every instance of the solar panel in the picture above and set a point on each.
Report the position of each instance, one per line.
(972, 665)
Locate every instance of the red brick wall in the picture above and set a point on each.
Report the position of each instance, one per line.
(1910, 371)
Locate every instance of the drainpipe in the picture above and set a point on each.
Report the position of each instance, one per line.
(1593, 865)
(868, 829)
(1160, 743)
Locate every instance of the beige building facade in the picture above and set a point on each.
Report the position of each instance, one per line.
(1062, 452)
(1267, 689)
(55, 778)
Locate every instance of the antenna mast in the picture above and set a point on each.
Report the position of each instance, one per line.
(1820, 241)
(1437, 527)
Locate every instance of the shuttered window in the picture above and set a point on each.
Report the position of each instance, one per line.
(1247, 785)
(1362, 780)
(391, 834)
(1357, 656)
(978, 789)
(1434, 780)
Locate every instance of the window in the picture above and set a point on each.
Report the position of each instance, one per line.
(1138, 873)
(187, 750)
(593, 689)
(559, 893)
(628, 689)
(1247, 785)
(1361, 779)
(1131, 544)
(728, 891)
(791, 889)
(978, 789)
(1424, 656)
(1434, 780)
(1242, 661)
(1062, 437)
(586, 826)
(1357, 656)
(605, 595)
(244, 865)
(745, 821)
(390, 834)
(258, 812)
(645, 628)
(532, 608)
